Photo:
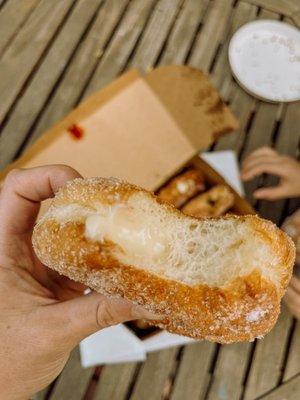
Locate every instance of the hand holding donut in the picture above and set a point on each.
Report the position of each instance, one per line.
(43, 315)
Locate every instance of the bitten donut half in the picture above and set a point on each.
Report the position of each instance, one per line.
(217, 279)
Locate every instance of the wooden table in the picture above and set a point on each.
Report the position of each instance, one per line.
(55, 53)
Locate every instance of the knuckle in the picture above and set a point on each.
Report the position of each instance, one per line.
(105, 314)
(12, 176)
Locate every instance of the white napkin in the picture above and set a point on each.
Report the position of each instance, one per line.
(226, 164)
(118, 343)
(111, 345)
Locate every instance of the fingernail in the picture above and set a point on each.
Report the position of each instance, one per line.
(141, 312)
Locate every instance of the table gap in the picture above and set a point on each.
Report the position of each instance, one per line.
(215, 57)
(2, 3)
(284, 213)
(133, 381)
(248, 368)
(91, 387)
(286, 352)
(18, 28)
(50, 389)
(107, 43)
(265, 396)
(140, 36)
(248, 126)
(211, 369)
(196, 35)
(258, 11)
(175, 371)
(165, 42)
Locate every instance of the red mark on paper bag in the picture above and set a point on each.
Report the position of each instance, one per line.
(76, 132)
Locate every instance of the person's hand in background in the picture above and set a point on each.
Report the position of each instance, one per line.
(267, 161)
(43, 315)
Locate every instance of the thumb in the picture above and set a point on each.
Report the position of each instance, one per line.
(84, 315)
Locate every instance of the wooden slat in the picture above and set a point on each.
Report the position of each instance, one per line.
(114, 382)
(117, 54)
(266, 367)
(260, 135)
(268, 357)
(193, 374)
(81, 66)
(286, 143)
(264, 121)
(288, 139)
(296, 18)
(10, 20)
(293, 362)
(27, 47)
(279, 6)
(229, 372)
(221, 75)
(155, 34)
(73, 381)
(215, 26)
(242, 106)
(241, 103)
(45, 78)
(289, 8)
(180, 39)
(153, 375)
(289, 391)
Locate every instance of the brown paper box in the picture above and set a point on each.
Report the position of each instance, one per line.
(141, 129)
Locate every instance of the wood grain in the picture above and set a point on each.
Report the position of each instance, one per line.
(27, 48)
(293, 361)
(10, 20)
(116, 55)
(221, 74)
(229, 373)
(289, 391)
(81, 66)
(153, 375)
(45, 79)
(182, 35)
(155, 34)
(115, 381)
(215, 26)
(193, 374)
(73, 381)
(241, 103)
(287, 143)
(268, 357)
(264, 121)
(278, 6)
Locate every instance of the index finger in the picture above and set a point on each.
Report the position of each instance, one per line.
(262, 151)
(273, 168)
(22, 192)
